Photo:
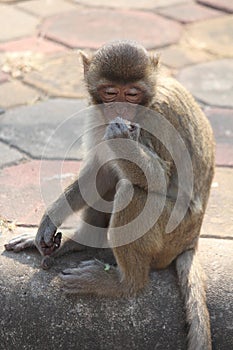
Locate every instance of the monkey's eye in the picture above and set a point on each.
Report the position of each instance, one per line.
(110, 94)
(133, 95)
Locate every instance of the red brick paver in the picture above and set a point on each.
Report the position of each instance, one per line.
(26, 189)
(33, 44)
(93, 27)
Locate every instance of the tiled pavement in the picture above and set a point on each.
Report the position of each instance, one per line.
(39, 62)
(41, 84)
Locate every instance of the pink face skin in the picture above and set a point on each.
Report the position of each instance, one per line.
(131, 93)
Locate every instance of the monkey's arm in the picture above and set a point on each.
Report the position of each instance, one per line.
(136, 160)
(70, 201)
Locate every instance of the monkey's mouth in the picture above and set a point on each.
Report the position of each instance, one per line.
(113, 110)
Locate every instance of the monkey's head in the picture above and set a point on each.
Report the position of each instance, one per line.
(121, 71)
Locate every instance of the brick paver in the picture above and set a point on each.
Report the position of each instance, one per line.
(61, 76)
(180, 56)
(23, 198)
(3, 77)
(14, 93)
(130, 4)
(15, 24)
(224, 5)
(222, 123)
(189, 12)
(9, 155)
(213, 35)
(32, 44)
(30, 129)
(91, 28)
(46, 8)
(218, 219)
(211, 82)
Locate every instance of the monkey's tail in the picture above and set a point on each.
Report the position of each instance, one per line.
(191, 279)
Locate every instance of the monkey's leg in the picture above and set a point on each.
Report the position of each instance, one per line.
(132, 272)
(191, 279)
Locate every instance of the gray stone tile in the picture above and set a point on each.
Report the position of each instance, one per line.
(90, 28)
(221, 120)
(9, 155)
(46, 124)
(211, 82)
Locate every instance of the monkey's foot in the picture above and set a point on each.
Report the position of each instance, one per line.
(121, 128)
(89, 278)
(21, 242)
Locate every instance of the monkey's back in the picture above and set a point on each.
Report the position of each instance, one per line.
(175, 103)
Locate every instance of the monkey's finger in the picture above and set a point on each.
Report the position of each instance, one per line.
(19, 246)
(20, 238)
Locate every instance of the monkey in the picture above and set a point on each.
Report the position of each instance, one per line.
(124, 72)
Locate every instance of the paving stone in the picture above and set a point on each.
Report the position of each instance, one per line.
(14, 93)
(130, 4)
(3, 77)
(187, 13)
(218, 221)
(9, 1)
(15, 23)
(224, 5)
(221, 120)
(33, 44)
(61, 76)
(224, 154)
(23, 198)
(46, 8)
(211, 82)
(222, 123)
(214, 35)
(90, 28)
(178, 57)
(9, 155)
(46, 124)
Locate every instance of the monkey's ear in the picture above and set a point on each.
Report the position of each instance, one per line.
(154, 58)
(86, 61)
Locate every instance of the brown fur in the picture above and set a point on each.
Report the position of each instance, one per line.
(120, 63)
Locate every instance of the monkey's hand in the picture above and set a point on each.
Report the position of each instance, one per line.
(47, 241)
(121, 128)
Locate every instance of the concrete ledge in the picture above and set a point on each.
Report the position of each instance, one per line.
(36, 315)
